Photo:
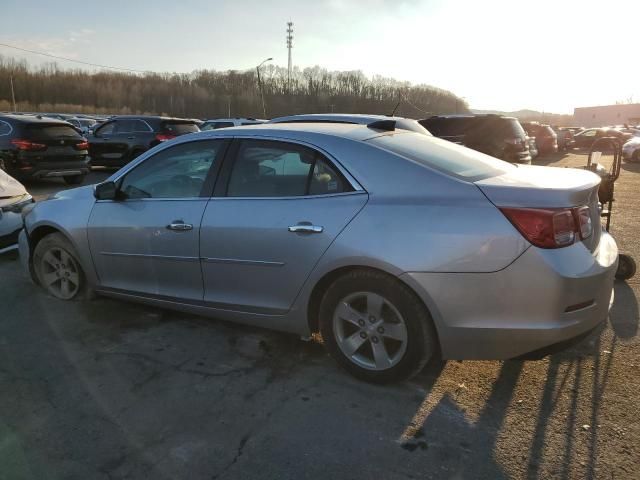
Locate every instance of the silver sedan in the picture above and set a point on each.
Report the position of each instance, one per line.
(395, 246)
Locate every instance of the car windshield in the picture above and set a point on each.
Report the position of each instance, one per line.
(446, 157)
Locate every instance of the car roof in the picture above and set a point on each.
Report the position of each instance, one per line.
(231, 119)
(35, 119)
(150, 117)
(361, 118)
(298, 130)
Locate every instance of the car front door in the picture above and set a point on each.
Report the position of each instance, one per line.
(277, 209)
(147, 240)
(101, 140)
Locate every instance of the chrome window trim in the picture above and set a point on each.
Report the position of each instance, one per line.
(10, 129)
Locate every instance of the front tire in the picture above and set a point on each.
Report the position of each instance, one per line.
(376, 328)
(57, 267)
(73, 179)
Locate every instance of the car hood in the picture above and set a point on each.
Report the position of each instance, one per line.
(541, 187)
(10, 187)
(85, 191)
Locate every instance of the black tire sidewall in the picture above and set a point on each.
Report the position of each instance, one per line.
(73, 179)
(421, 346)
(57, 240)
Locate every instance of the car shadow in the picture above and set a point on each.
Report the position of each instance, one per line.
(583, 370)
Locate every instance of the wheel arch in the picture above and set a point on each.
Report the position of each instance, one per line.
(321, 286)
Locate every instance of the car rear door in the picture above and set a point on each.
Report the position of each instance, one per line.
(147, 240)
(277, 209)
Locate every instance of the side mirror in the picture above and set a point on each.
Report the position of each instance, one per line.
(105, 191)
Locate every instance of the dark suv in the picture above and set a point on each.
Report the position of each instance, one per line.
(121, 139)
(495, 135)
(546, 138)
(33, 146)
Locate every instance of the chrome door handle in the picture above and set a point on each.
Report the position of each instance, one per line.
(302, 228)
(180, 226)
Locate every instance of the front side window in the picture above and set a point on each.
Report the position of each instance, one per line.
(280, 169)
(176, 172)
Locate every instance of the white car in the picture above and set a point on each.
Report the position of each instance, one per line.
(215, 123)
(13, 198)
(631, 150)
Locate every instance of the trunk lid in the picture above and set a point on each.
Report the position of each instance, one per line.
(546, 187)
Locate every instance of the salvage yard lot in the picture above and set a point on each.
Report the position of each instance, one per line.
(107, 389)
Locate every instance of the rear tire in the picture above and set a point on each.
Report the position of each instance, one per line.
(376, 328)
(626, 267)
(58, 269)
(73, 179)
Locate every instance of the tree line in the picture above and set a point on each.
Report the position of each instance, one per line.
(210, 93)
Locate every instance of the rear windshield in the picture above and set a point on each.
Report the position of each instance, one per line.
(448, 127)
(512, 128)
(51, 132)
(446, 157)
(179, 128)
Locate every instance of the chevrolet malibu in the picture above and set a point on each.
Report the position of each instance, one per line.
(395, 246)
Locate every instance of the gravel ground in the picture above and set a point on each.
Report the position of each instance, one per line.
(112, 390)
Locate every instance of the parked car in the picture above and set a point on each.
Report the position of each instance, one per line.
(82, 124)
(631, 150)
(40, 147)
(356, 119)
(121, 139)
(215, 123)
(13, 199)
(392, 244)
(533, 147)
(546, 138)
(496, 135)
(585, 138)
(565, 138)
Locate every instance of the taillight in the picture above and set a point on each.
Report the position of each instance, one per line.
(551, 227)
(163, 137)
(584, 222)
(82, 145)
(27, 145)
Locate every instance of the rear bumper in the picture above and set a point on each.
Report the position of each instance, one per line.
(543, 298)
(52, 168)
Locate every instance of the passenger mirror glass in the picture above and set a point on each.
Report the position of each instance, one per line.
(105, 191)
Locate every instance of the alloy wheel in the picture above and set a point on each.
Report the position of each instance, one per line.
(60, 273)
(370, 331)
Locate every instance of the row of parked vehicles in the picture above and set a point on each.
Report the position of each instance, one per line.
(41, 146)
(363, 228)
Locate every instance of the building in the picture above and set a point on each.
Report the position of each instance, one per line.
(607, 115)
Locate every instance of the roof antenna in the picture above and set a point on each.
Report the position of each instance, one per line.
(397, 104)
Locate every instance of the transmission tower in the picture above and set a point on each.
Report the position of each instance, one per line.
(289, 47)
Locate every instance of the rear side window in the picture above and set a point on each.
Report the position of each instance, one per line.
(132, 126)
(446, 157)
(50, 132)
(179, 128)
(280, 169)
(512, 128)
(5, 128)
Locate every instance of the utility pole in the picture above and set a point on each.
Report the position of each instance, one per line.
(13, 93)
(264, 109)
(289, 47)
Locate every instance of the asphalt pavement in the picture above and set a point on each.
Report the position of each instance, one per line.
(112, 390)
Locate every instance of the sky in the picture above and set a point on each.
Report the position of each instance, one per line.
(544, 55)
